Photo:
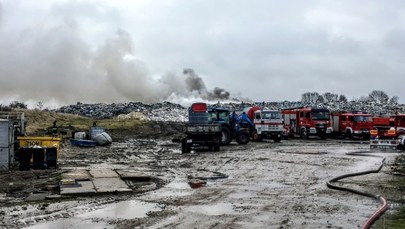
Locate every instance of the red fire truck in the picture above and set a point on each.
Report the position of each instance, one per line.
(352, 124)
(388, 132)
(307, 121)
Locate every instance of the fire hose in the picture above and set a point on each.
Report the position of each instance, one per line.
(380, 211)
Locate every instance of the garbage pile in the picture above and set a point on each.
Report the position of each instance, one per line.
(377, 109)
(171, 112)
(165, 111)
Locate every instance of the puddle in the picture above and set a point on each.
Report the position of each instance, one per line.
(214, 209)
(123, 210)
(95, 219)
(72, 223)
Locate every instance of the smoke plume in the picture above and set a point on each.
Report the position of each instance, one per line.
(55, 65)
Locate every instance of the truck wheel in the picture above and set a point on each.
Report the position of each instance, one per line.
(276, 139)
(366, 136)
(226, 136)
(349, 134)
(256, 137)
(184, 146)
(216, 147)
(303, 133)
(322, 135)
(243, 138)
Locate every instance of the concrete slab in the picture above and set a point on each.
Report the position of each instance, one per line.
(114, 184)
(83, 188)
(77, 174)
(134, 175)
(103, 173)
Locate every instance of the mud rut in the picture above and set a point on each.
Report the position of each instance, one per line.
(269, 185)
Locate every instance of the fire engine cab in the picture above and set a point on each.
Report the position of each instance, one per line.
(388, 132)
(308, 121)
(352, 124)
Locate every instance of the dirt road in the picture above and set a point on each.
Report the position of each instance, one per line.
(259, 185)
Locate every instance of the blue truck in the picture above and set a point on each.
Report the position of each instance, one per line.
(200, 131)
(233, 126)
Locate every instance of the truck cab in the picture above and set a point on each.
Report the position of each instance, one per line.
(388, 132)
(308, 121)
(352, 124)
(268, 125)
(231, 128)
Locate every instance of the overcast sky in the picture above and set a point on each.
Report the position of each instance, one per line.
(62, 52)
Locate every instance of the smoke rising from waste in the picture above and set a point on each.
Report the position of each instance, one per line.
(56, 64)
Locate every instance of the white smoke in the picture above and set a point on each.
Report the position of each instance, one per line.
(57, 65)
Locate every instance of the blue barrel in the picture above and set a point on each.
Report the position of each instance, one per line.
(51, 157)
(38, 158)
(25, 155)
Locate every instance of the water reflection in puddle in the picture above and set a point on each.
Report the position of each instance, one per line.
(123, 210)
(213, 209)
(95, 219)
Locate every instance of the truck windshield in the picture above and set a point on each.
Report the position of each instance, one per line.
(271, 115)
(320, 115)
(363, 119)
(218, 116)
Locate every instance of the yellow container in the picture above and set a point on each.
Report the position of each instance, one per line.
(45, 142)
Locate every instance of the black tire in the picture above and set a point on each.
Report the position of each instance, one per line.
(185, 147)
(276, 139)
(216, 147)
(243, 138)
(322, 135)
(256, 137)
(366, 136)
(303, 133)
(225, 136)
(349, 134)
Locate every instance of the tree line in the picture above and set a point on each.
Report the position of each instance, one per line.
(376, 96)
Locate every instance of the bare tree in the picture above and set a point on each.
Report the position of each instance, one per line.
(394, 100)
(342, 98)
(311, 97)
(17, 105)
(330, 97)
(378, 96)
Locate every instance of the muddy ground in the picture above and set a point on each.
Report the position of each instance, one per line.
(259, 185)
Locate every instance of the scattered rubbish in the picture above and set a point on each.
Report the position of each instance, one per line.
(83, 142)
(197, 183)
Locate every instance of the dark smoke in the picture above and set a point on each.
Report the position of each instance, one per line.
(218, 93)
(195, 83)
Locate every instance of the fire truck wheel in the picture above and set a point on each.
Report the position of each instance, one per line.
(276, 139)
(256, 137)
(185, 147)
(349, 134)
(304, 134)
(226, 136)
(216, 147)
(366, 136)
(243, 138)
(322, 135)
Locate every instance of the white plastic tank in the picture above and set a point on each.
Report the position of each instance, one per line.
(80, 135)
